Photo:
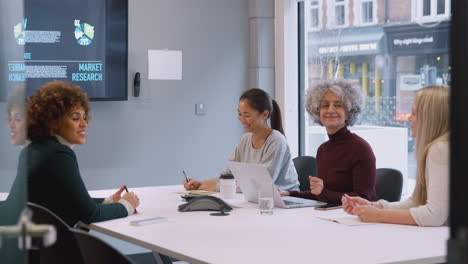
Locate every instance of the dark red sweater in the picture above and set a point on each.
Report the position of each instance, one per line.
(346, 164)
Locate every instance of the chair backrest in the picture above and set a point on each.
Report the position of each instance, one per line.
(96, 251)
(305, 166)
(389, 183)
(65, 249)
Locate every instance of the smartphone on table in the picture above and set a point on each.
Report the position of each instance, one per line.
(328, 207)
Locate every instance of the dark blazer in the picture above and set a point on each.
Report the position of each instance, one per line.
(10, 210)
(54, 181)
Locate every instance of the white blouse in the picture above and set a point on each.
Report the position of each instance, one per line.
(436, 209)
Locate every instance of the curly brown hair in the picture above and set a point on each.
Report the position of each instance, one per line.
(49, 104)
(17, 98)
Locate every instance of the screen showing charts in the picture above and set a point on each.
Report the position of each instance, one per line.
(83, 42)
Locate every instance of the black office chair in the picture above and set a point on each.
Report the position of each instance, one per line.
(305, 166)
(65, 249)
(96, 251)
(389, 183)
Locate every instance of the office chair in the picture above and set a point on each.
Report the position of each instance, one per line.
(96, 251)
(305, 166)
(389, 183)
(65, 249)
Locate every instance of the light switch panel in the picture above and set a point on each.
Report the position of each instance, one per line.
(200, 109)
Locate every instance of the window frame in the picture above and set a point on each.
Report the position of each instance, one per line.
(331, 18)
(358, 12)
(286, 69)
(418, 10)
(308, 19)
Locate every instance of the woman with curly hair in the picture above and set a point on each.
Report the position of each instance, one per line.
(11, 207)
(429, 204)
(346, 162)
(57, 117)
(15, 105)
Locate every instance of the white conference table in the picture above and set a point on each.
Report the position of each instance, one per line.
(287, 236)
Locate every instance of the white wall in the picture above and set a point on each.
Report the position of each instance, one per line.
(149, 141)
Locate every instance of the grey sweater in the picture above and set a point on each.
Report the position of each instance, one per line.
(274, 154)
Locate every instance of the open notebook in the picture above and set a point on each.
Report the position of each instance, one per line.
(346, 220)
(339, 216)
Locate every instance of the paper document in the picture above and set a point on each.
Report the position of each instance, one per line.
(340, 216)
(346, 220)
(196, 192)
(164, 64)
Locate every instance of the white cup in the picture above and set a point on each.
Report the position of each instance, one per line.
(227, 186)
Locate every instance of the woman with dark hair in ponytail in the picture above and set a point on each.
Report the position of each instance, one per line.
(261, 144)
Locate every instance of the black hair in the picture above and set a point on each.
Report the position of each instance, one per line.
(261, 101)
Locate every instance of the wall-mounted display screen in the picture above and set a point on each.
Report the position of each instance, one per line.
(83, 42)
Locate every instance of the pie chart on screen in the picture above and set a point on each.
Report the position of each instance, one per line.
(84, 34)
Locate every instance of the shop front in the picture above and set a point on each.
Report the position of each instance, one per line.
(356, 54)
(420, 56)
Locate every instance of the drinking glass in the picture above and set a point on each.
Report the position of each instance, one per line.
(265, 198)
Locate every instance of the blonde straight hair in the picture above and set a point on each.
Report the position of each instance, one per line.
(432, 119)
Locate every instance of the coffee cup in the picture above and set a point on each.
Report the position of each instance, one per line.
(227, 186)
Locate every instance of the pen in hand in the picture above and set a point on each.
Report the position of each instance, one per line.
(185, 175)
(135, 210)
(349, 200)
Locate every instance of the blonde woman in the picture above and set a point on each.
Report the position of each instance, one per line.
(428, 206)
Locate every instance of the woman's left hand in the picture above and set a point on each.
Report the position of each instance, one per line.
(368, 213)
(118, 195)
(316, 185)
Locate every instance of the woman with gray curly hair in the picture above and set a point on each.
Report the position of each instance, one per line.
(346, 162)
(348, 94)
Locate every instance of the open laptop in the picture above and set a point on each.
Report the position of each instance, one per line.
(250, 175)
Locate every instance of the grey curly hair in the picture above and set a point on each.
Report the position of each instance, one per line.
(349, 93)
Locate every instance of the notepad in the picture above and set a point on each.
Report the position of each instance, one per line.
(148, 221)
(346, 220)
(196, 192)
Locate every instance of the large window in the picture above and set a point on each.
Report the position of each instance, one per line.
(389, 56)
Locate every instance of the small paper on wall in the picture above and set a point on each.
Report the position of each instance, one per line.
(164, 64)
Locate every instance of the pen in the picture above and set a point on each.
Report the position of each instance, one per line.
(135, 212)
(185, 175)
(350, 202)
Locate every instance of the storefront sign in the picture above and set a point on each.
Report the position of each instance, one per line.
(348, 48)
(413, 41)
(410, 82)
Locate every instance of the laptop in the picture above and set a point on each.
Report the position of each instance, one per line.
(250, 175)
